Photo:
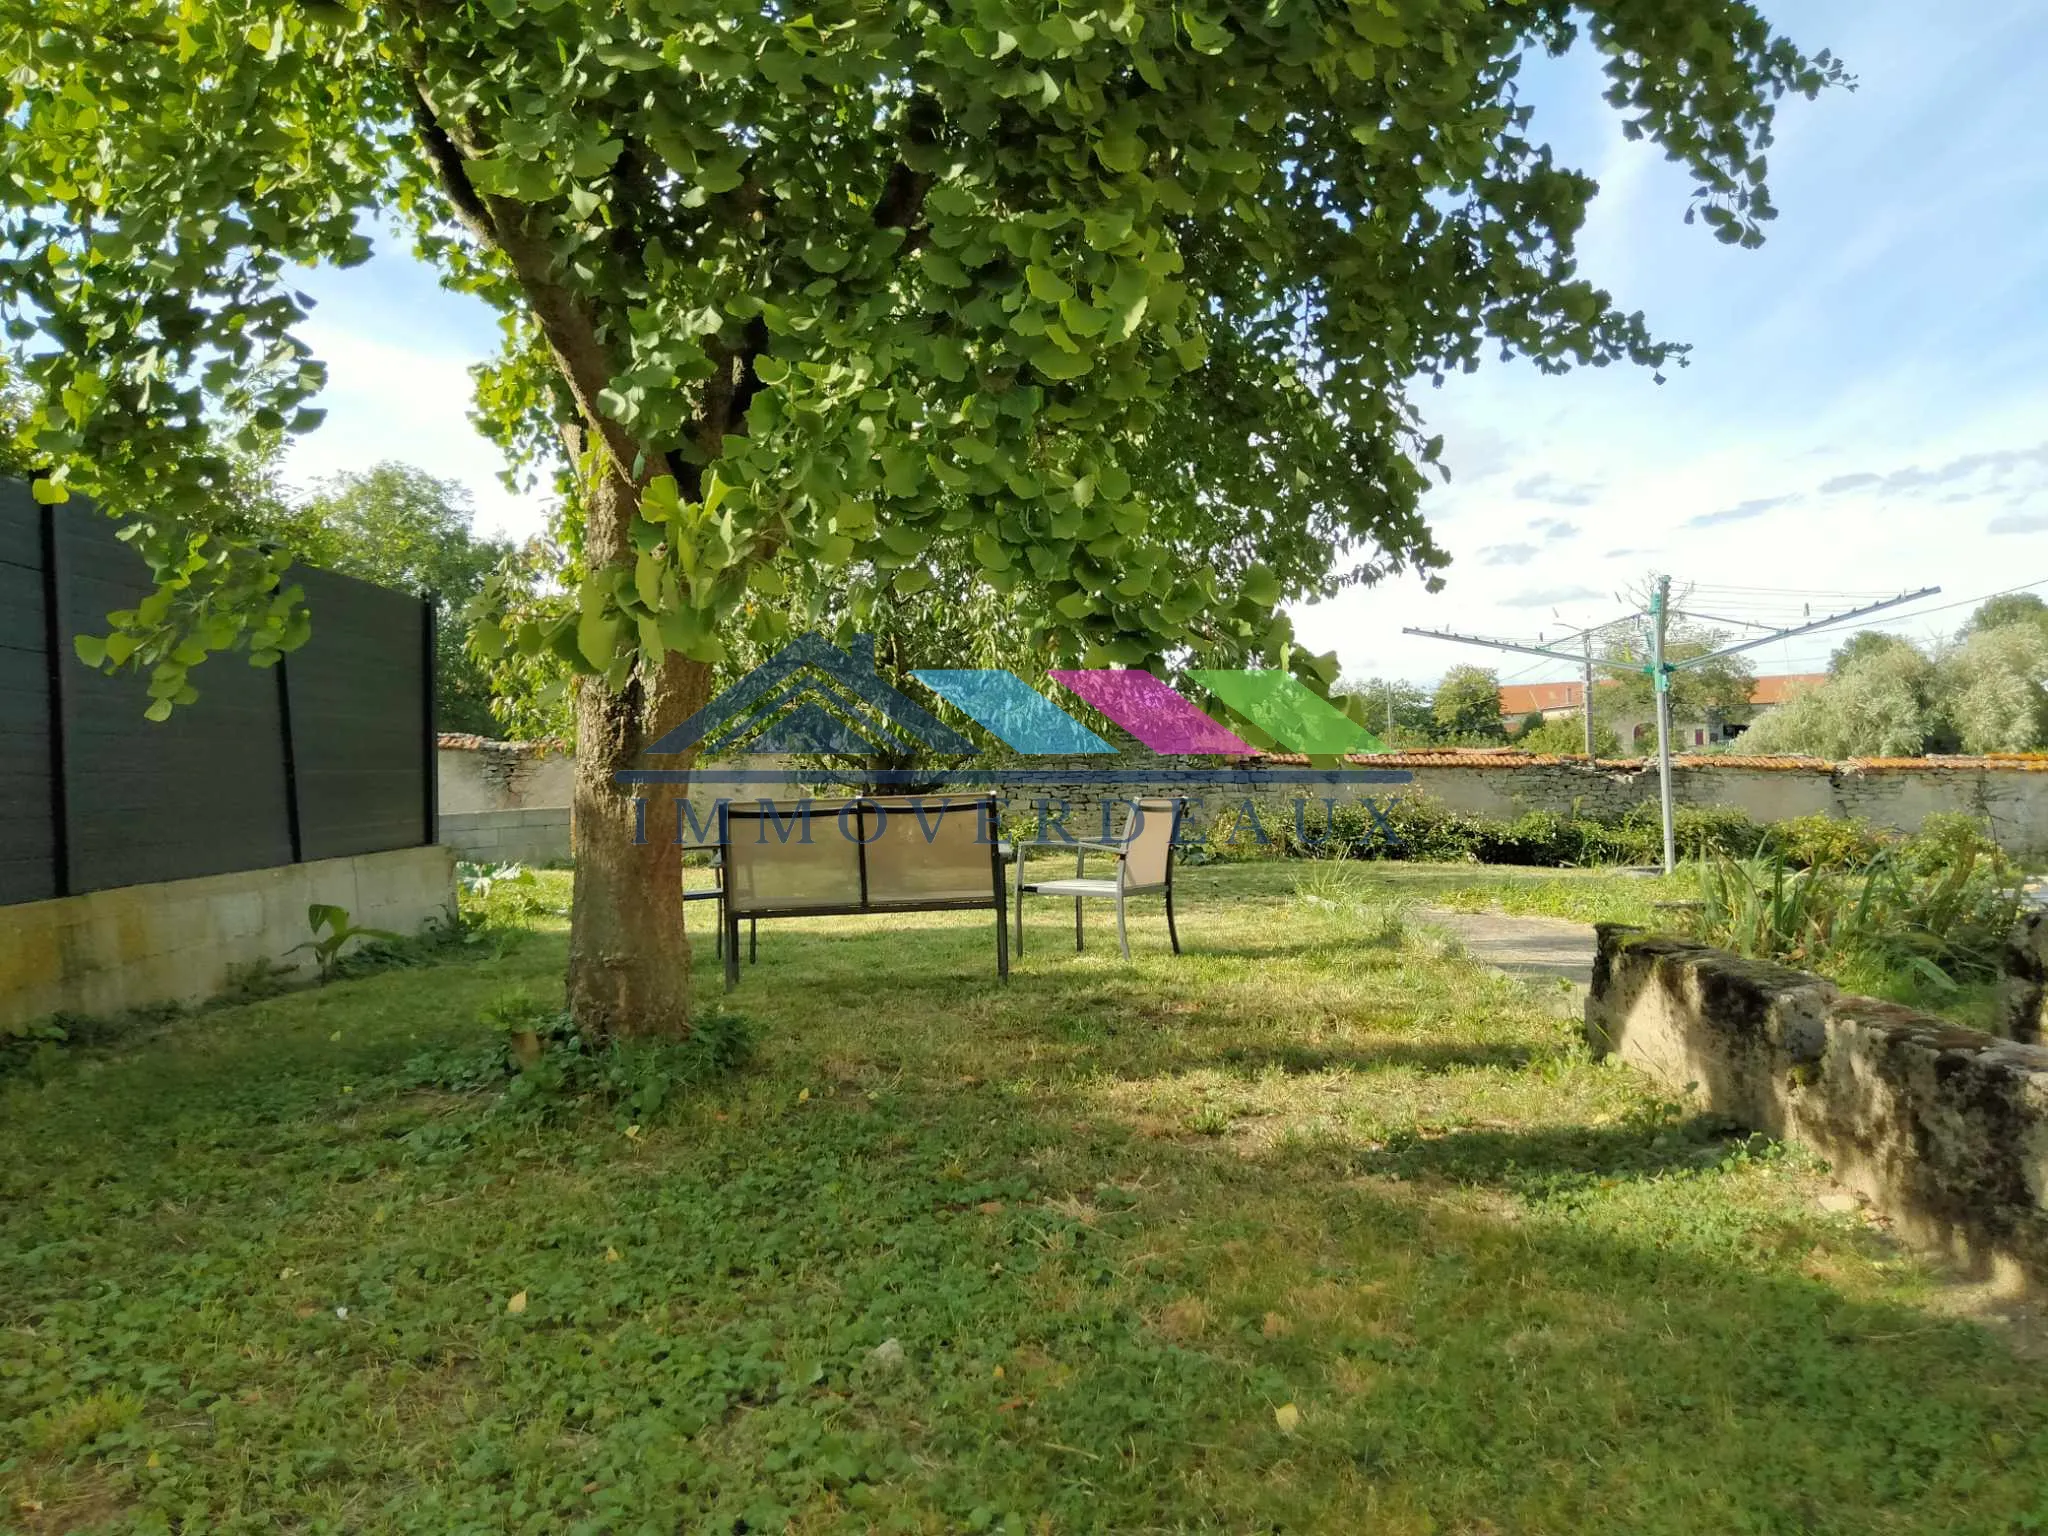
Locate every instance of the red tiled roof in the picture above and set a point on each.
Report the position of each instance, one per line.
(1518, 699)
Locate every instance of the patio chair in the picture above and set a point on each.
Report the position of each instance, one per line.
(1144, 863)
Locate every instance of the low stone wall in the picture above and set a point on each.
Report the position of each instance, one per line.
(534, 836)
(1944, 1129)
(179, 941)
(2023, 981)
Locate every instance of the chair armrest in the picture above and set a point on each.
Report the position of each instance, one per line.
(1066, 844)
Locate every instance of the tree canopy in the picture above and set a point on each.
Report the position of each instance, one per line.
(1985, 692)
(2007, 609)
(1716, 690)
(1117, 303)
(1466, 705)
(399, 526)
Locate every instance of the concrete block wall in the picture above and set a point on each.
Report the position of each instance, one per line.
(1943, 1129)
(180, 941)
(537, 835)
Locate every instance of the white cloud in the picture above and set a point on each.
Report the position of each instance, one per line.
(386, 400)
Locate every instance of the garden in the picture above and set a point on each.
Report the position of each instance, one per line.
(1320, 1226)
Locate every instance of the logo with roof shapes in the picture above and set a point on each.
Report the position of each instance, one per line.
(812, 697)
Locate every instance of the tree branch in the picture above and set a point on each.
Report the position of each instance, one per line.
(572, 335)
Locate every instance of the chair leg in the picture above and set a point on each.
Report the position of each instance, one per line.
(1123, 939)
(1020, 903)
(1172, 933)
(1002, 945)
(732, 952)
(753, 941)
(1077, 925)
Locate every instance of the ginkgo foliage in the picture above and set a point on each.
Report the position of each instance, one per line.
(1112, 303)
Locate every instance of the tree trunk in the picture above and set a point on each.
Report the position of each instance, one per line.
(629, 964)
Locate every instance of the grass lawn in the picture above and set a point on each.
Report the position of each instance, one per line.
(1317, 1228)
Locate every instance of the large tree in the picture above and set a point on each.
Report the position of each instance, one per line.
(1117, 301)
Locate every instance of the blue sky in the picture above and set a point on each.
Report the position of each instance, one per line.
(1866, 407)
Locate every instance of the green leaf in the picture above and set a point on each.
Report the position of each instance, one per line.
(91, 649)
(1046, 286)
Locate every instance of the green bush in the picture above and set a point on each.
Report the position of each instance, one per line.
(1807, 841)
(1426, 831)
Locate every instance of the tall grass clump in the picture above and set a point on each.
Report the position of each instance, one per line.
(1918, 920)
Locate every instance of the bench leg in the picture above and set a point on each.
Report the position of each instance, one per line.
(1019, 897)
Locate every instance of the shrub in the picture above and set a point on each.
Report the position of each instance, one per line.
(1933, 911)
(1806, 841)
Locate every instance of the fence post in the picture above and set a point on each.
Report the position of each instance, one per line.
(291, 761)
(53, 654)
(430, 610)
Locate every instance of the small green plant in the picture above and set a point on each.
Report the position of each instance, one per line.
(333, 933)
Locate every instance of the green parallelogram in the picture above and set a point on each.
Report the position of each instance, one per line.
(1286, 709)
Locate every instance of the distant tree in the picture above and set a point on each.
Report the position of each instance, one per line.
(17, 404)
(1991, 688)
(1882, 704)
(402, 527)
(2008, 609)
(1396, 712)
(1565, 736)
(1467, 705)
(1865, 642)
(1532, 721)
(1718, 691)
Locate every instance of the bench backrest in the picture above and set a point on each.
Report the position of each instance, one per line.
(859, 855)
(937, 848)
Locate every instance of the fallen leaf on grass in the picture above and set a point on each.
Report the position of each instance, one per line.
(1288, 1417)
(611, 1255)
(517, 1304)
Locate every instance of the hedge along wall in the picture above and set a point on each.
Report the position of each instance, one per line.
(327, 755)
(2010, 793)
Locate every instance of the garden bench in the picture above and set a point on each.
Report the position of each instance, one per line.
(868, 856)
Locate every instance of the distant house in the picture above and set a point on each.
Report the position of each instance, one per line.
(1638, 727)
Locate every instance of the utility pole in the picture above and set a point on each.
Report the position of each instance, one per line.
(1660, 621)
(1586, 698)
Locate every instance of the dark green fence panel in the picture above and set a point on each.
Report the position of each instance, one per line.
(329, 754)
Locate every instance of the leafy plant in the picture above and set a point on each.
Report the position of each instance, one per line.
(333, 933)
(1934, 912)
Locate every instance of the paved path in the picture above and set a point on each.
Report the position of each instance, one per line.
(1543, 951)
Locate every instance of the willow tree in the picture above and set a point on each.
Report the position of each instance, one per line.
(1117, 301)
